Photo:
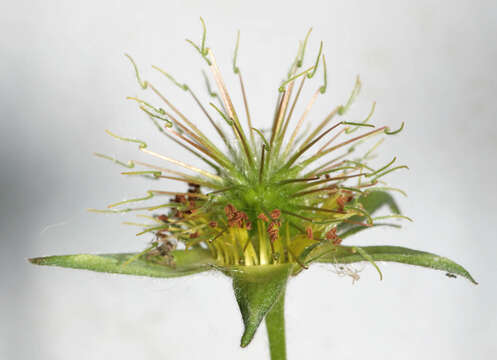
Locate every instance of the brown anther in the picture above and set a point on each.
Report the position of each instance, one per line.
(275, 214)
(194, 188)
(229, 210)
(273, 230)
(179, 199)
(309, 233)
(341, 201)
(263, 217)
(194, 235)
(327, 176)
(337, 241)
(163, 218)
(213, 224)
(248, 225)
(332, 234)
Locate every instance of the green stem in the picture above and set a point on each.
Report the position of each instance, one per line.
(275, 324)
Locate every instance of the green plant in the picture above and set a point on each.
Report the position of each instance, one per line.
(276, 201)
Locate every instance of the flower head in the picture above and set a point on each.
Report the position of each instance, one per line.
(274, 199)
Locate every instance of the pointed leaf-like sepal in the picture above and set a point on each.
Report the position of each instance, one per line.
(349, 254)
(186, 262)
(257, 289)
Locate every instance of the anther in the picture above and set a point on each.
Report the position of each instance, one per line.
(263, 217)
(275, 214)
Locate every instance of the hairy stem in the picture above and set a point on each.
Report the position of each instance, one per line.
(275, 324)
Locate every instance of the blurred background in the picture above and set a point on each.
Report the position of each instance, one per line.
(64, 80)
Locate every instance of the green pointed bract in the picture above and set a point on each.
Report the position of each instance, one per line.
(349, 254)
(185, 263)
(257, 289)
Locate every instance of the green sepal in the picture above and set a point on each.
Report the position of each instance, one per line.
(257, 289)
(186, 262)
(349, 254)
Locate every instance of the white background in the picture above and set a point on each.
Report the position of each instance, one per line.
(64, 80)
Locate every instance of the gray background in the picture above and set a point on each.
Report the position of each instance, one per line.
(64, 81)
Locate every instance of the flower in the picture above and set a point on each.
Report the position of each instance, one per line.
(274, 201)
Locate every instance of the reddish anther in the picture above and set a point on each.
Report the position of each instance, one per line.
(309, 232)
(163, 218)
(275, 214)
(274, 230)
(341, 201)
(332, 234)
(263, 217)
(213, 224)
